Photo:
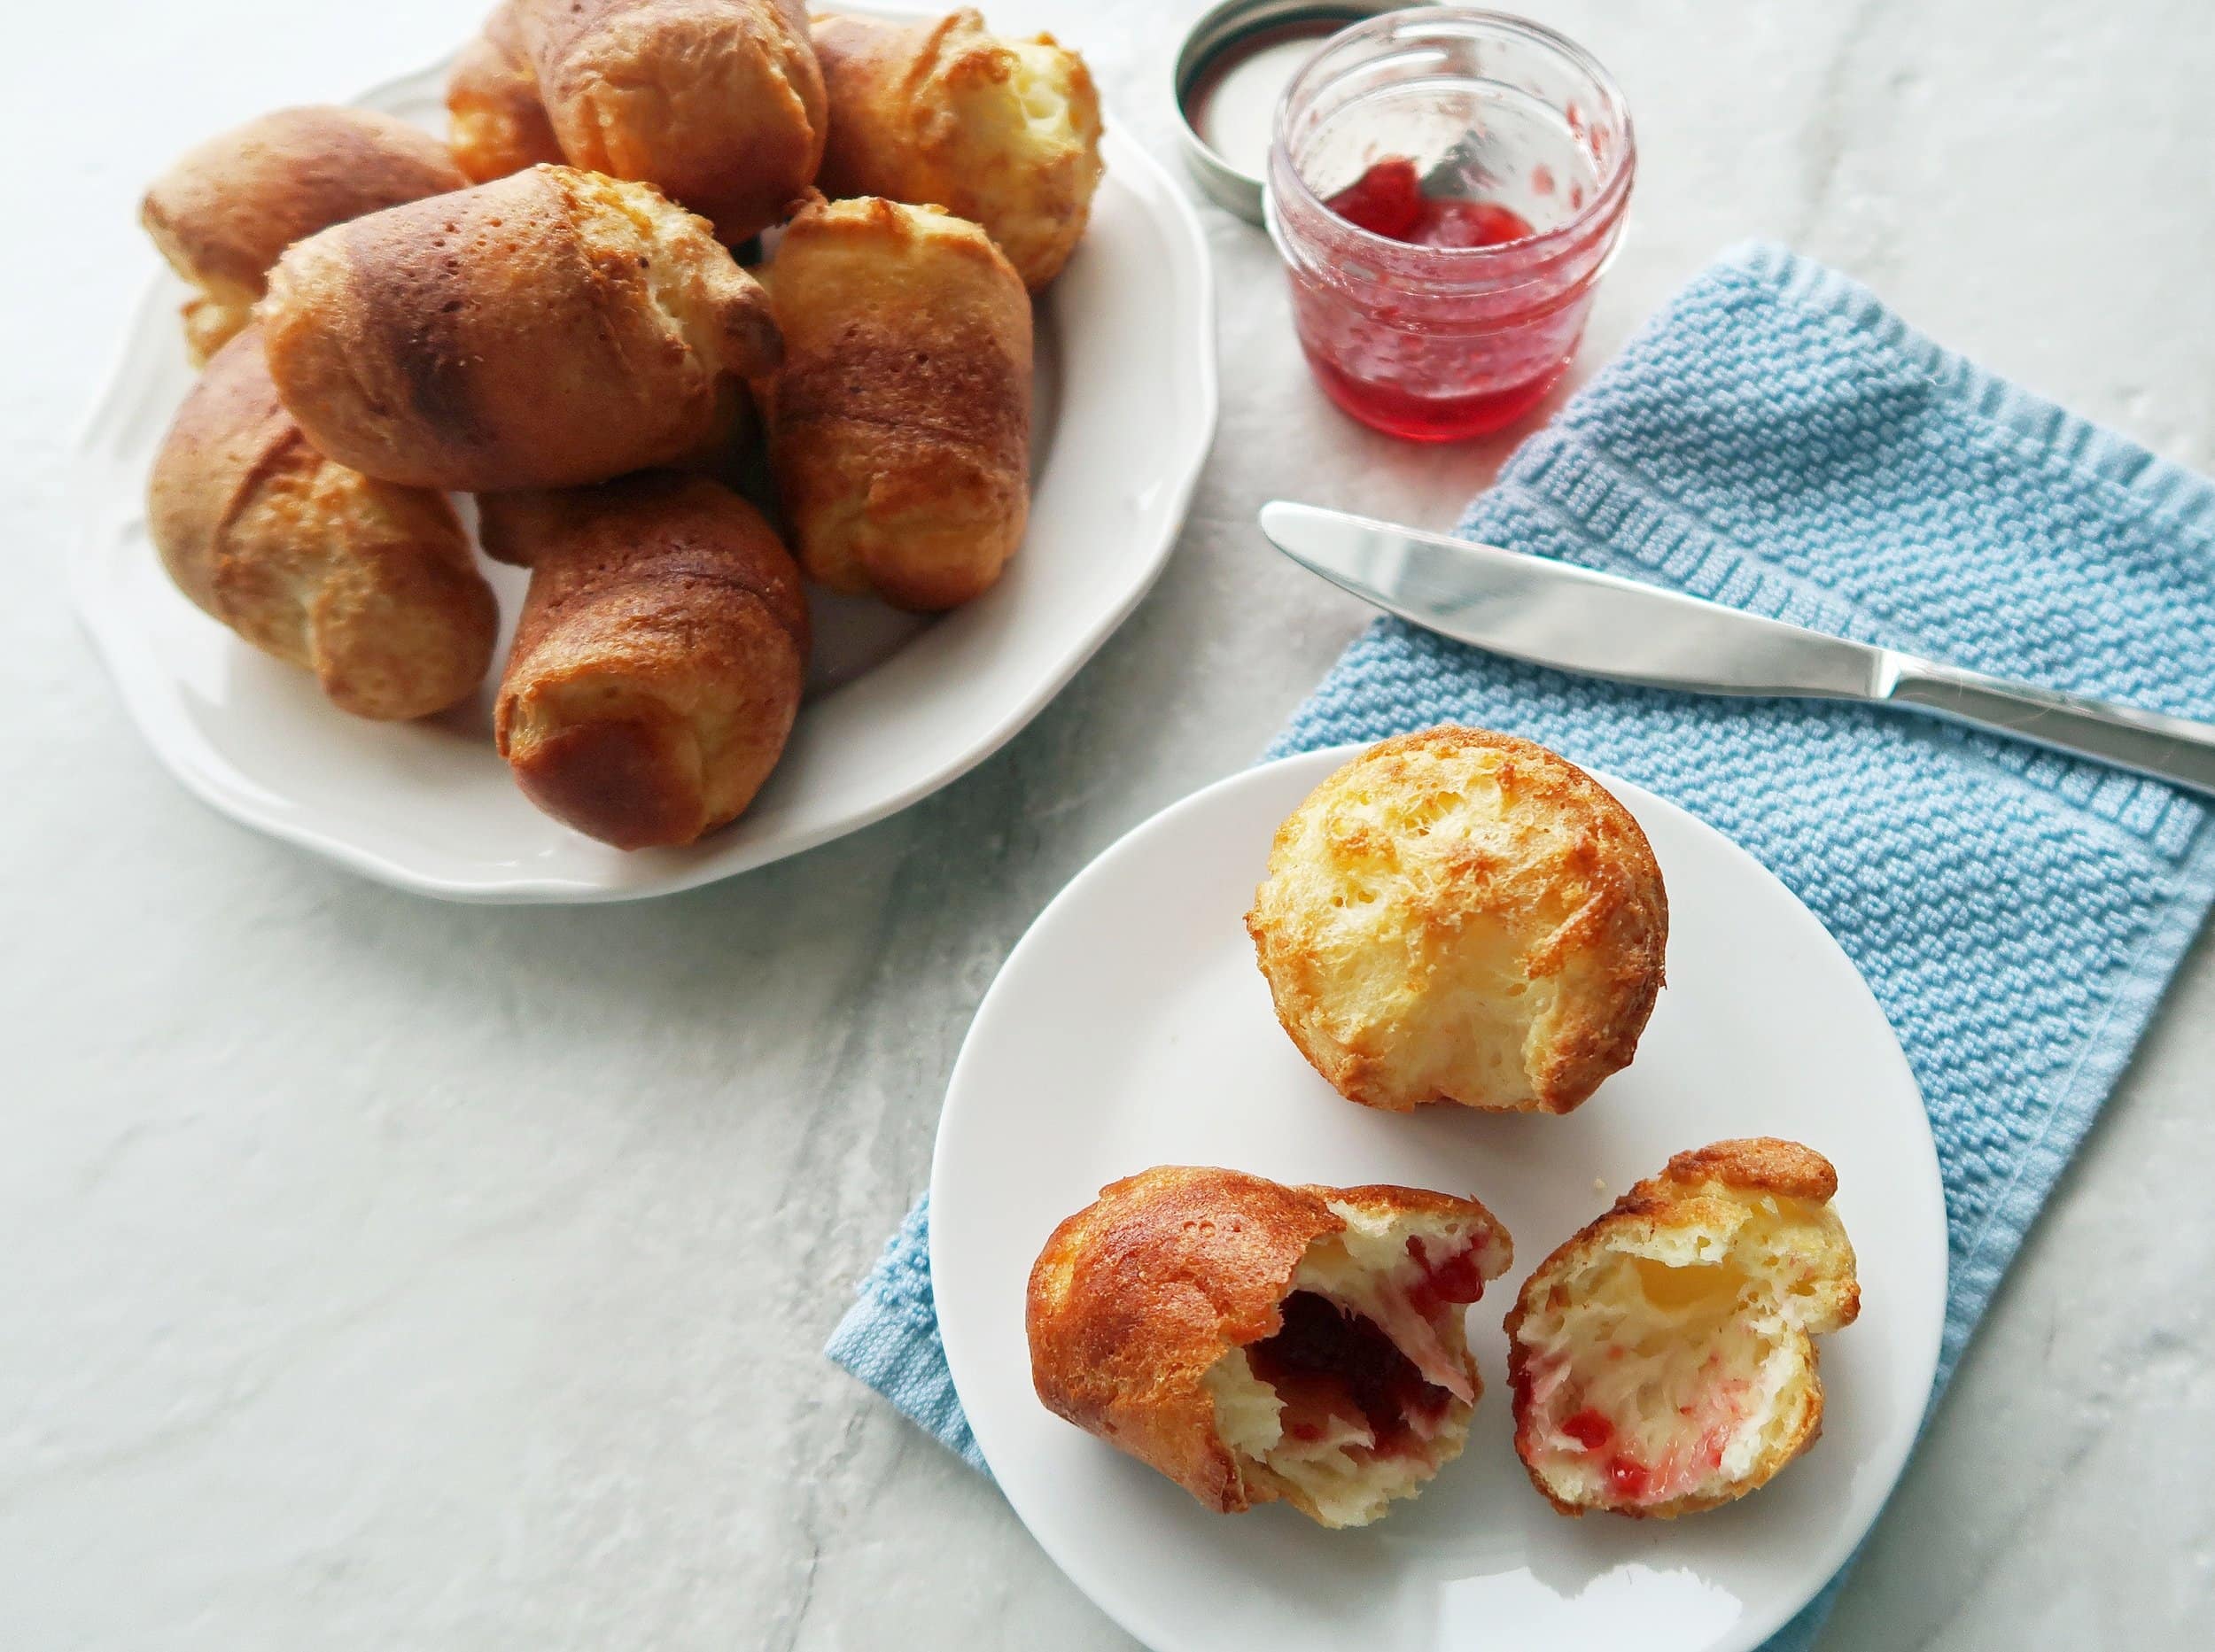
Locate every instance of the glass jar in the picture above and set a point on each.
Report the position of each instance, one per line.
(1499, 120)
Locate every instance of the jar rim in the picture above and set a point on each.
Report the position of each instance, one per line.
(1605, 198)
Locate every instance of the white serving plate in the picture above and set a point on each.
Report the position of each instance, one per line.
(898, 707)
(1131, 1027)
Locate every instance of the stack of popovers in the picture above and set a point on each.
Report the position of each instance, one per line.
(549, 310)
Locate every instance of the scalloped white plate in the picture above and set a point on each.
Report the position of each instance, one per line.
(898, 707)
(1131, 1027)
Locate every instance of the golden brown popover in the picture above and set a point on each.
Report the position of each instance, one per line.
(227, 209)
(371, 587)
(547, 330)
(659, 658)
(1458, 915)
(899, 422)
(1005, 132)
(496, 123)
(717, 103)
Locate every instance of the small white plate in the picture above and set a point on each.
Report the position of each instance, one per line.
(1132, 1029)
(898, 707)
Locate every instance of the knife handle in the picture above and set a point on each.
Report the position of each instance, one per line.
(2173, 749)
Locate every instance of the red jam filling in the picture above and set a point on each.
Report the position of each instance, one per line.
(1630, 1480)
(1388, 200)
(1326, 1362)
(1589, 1429)
(1453, 1279)
(1633, 1481)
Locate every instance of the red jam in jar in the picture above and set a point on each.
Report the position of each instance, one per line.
(1446, 186)
(1388, 200)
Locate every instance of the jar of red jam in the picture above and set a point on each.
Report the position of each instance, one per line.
(1446, 186)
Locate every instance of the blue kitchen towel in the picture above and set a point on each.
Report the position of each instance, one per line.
(1775, 439)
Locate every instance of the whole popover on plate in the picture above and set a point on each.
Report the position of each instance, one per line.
(899, 417)
(370, 586)
(941, 111)
(1459, 915)
(228, 208)
(659, 657)
(549, 328)
(717, 103)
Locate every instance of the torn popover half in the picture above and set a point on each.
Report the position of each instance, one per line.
(1253, 1341)
(1458, 915)
(1663, 1360)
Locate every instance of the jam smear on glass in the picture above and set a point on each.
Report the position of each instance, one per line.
(1388, 200)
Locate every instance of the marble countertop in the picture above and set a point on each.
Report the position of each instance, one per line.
(381, 1272)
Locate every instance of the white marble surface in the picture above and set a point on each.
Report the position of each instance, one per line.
(384, 1273)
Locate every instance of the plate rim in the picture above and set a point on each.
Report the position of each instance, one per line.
(220, 786)
(1744, 1635)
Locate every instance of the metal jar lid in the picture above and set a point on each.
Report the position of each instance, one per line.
(1235, 62)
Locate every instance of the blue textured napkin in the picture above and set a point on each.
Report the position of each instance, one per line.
(1777, 440)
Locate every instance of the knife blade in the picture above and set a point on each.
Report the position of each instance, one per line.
(1578, 619)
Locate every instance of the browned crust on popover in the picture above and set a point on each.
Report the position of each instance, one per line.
(1135, 1297)
(227, 434)
(371, 587)
(1759, 1164)
(228, 208)
(1608, 942)
(1748, 1165)
(899, 422)
(548, 329)
(899, 128)
(658, 659)
(719, 104)
(873, 68)
(496, 123)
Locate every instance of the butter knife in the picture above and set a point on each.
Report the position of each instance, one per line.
(1575, 619)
